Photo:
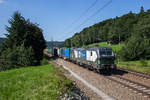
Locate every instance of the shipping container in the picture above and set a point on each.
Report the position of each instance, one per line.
(49, 50)
(65, 53)
(83, 54)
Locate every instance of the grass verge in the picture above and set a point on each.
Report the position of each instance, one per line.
(135, 65)
(33, 83)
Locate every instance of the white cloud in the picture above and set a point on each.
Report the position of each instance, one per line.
(1, 1)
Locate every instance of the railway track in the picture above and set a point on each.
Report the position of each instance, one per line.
(137, 87)
(139, 74)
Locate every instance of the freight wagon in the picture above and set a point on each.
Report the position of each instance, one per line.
(65, 53)
(49, 51)
(52, 51)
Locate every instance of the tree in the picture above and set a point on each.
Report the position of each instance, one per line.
(136, 48)
(16, 30)
(34, 38)
(24, 43)
(23, 31)
(129, 28)
(68, 43)
(25, 56)
(142, 10)
(17, 57)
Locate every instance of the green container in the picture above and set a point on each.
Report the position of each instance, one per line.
(49, 50)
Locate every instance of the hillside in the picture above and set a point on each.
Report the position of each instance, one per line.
(131, 29)
(113, 30)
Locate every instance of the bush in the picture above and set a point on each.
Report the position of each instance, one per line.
(9, 59)
(17, 57)
(25, 56)
(44, 61)
(96, 45)
(135, 49)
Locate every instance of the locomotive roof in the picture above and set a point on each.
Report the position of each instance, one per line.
(100, 48)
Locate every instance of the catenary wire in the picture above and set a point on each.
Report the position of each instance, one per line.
(100, 9)
(76, 20)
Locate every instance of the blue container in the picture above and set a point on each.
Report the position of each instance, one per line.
(81, 53)
(61, 52)
(65, 52)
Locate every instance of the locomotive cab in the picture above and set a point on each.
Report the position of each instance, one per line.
(106, 58)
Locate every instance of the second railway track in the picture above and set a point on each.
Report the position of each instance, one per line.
(139, 74)
(137, 87)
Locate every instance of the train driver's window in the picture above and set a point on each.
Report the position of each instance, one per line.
(91, 53)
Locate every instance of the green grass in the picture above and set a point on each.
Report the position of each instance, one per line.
(115, 48)
(136, 66)
(33, 83)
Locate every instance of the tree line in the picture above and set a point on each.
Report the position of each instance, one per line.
(132, 29)
(24, 44)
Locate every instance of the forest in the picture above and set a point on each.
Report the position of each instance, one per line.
(132, 29)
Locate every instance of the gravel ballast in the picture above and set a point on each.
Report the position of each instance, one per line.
(113, 89)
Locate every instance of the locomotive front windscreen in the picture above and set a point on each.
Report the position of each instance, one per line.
(106, 53)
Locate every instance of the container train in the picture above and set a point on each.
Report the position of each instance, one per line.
(97, 58)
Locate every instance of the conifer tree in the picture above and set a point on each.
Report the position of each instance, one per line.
(24, 43)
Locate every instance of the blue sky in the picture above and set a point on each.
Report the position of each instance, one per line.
(55, 16)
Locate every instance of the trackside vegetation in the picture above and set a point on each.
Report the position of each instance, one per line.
(139, 66)
(33, 83)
